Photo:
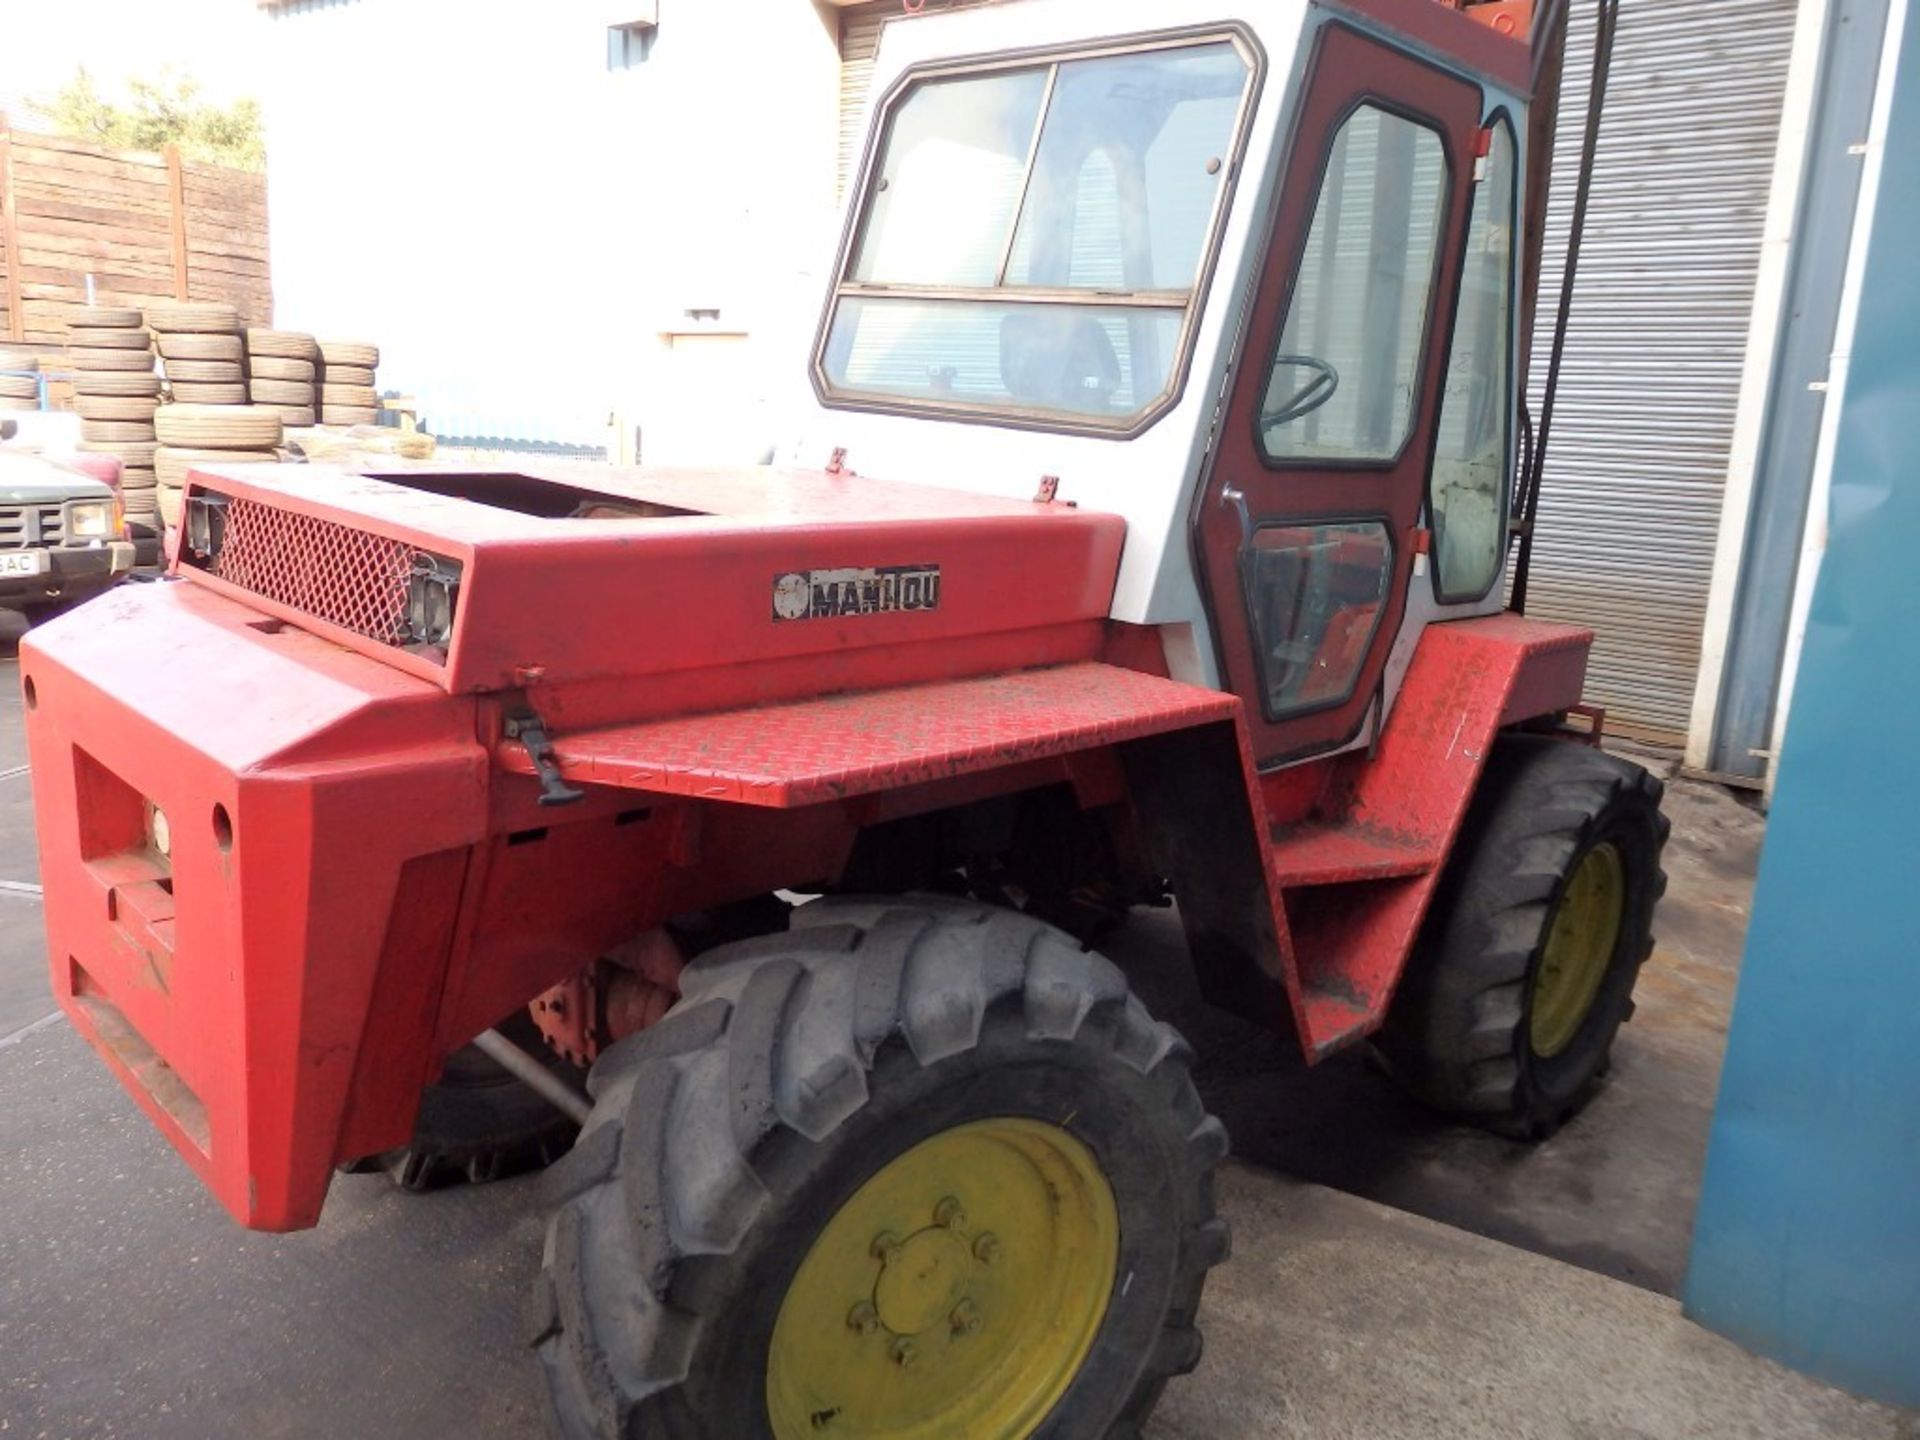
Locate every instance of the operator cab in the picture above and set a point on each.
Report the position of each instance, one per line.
(1249, 283)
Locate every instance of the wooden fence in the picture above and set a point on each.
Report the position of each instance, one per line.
(146, 227)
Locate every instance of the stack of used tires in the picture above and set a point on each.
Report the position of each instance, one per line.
(19, 378)
(115, 392)
(281, 374)
(196, 435)
(200, 350)
(347, 393)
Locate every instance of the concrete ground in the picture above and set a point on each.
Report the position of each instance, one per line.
(1393, 1275)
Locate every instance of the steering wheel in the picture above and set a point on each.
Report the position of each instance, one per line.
(1309, 397)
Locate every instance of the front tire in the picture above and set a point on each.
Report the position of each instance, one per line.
(1525, 969)
(984, 1095)
(477, 1123)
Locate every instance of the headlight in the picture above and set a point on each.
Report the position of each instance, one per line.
(431, 590)
(91, 520)
(159, 832)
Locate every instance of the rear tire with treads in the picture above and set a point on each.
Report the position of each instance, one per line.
(89, 337)
(93, 361)
(1462, 1034)
(207, 392)
(284, 345)
(205, 372)
(217, 427)
(797, 1067)
(278, 367)
(355, 353)
(281, 392)
(110, 317)
(113, 382)
(202, 317)
(195, 345)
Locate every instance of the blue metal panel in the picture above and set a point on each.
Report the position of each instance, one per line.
(1807, 1242)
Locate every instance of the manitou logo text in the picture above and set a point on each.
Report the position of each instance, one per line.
(817, 594)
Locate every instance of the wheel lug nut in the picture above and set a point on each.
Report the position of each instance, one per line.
(949, 1215)
(965, 1318)
(904, 1353)
(885, 1246)
(986, 1249)
(863, 1319)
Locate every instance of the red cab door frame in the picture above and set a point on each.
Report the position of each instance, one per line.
(1246, 491)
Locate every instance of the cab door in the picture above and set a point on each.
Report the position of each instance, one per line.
(1308, 525)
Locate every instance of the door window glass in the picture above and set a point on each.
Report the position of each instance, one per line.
(1341, 387)
(1470, 459)
(1315, 593)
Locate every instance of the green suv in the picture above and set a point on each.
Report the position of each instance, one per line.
(62, 534)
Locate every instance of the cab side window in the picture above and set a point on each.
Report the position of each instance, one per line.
(1469, 487)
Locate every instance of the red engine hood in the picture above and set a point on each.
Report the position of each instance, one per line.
(572, 573)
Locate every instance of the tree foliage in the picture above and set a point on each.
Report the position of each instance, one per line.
(165, 110)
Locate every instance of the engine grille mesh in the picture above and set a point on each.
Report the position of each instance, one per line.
(332, 572)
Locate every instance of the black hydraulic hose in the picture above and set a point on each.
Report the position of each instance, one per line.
(1543, 25)
(1604, 25)
(1526, 445)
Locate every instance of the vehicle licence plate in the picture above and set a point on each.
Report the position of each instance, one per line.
(23, 562)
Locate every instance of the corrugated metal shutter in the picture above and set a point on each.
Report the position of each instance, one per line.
(859, 40)
(1643, 426)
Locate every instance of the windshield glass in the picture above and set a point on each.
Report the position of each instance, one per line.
(1032, 238)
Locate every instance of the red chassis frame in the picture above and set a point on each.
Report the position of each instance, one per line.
(360, 877)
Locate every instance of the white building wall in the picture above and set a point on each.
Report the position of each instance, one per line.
(521, 227)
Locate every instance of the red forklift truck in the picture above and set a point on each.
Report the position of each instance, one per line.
(1146, 535)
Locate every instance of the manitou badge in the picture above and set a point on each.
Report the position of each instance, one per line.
(817, 594)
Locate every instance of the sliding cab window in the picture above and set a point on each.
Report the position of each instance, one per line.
(1033, 240)
(1341, 382)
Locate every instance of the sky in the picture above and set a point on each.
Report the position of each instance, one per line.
(47, 40)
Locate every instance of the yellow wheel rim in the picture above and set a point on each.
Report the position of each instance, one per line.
(1580, 945)
(955, 1294)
